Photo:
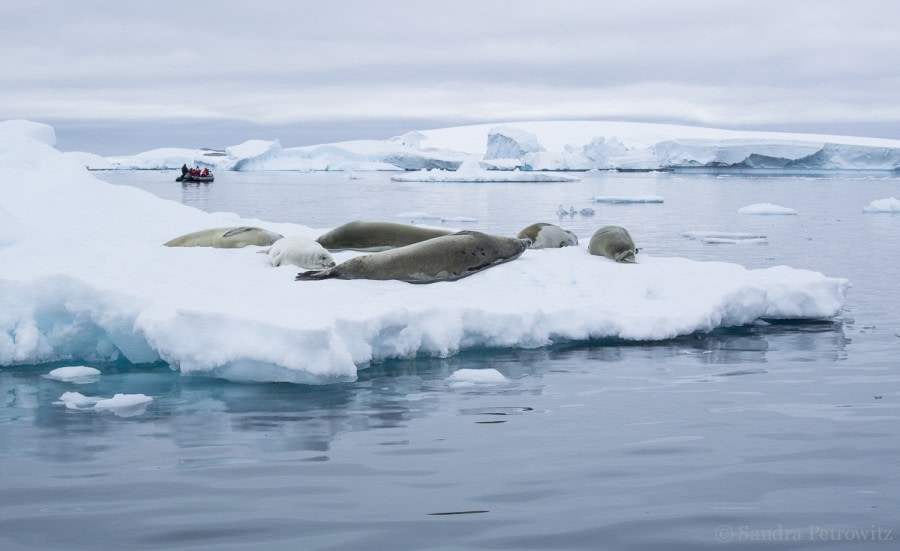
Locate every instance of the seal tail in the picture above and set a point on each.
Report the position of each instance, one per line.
(313, 275)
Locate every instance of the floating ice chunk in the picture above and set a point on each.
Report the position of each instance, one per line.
(636, 199)
(765, 208)
(731, 241)
(471, 172)
(77, 400)
(587, 212)
(417, 215)
(471, 377)
(889, 205)
(123, 401)
(75, 374)
(123, 405)
(698, 234)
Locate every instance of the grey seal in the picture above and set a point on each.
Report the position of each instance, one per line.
(548, 236)
(226, 238)
(362, 235)
(613, 242)
(444, 258)
(299, 251)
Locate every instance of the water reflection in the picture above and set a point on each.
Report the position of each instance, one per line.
(196, 412)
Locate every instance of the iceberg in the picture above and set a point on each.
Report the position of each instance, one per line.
(531, 146)
(105, 289)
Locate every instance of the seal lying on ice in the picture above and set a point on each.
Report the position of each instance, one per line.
(445, 258)
(613, 242)
(299, 251)
(362, 235)
(226, 238)
(548, 236)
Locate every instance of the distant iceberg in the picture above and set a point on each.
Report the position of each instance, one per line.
(536, 146)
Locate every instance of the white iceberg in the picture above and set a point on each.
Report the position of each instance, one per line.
(105, 288)
(532, 146)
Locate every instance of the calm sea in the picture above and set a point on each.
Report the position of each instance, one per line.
(784, 436)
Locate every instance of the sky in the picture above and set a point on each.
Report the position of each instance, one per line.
(119, 77)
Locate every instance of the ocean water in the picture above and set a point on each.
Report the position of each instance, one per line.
(781, 436)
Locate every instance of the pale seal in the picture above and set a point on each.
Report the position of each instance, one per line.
(613, 242)
(361, 235)
(548, 236)
(445, 258)
(299, 251)
(226, 238)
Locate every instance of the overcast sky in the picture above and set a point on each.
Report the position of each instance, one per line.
(122, 77)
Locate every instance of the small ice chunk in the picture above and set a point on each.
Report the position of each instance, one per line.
(417, 215)
(765, 208)
(616, 199)
(77, 400)
(472, 377)
(889, 205)
(123, 401)
(75, 374)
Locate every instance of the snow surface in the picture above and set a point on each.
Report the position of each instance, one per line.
(890, 205)
(84, 277)
(543, 145)
(765, 209)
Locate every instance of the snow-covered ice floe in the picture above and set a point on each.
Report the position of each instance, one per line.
(889, 205)
(617, 199)
(766, 209)
(84, 277)
(536, 146)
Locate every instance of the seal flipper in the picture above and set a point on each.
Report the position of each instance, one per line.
(312, 275)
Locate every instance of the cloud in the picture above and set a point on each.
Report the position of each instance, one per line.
(707, 62)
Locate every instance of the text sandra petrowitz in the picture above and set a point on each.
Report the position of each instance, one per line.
(726, 533)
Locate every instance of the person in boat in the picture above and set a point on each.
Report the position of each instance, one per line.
(205, 172)
(184, 170)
